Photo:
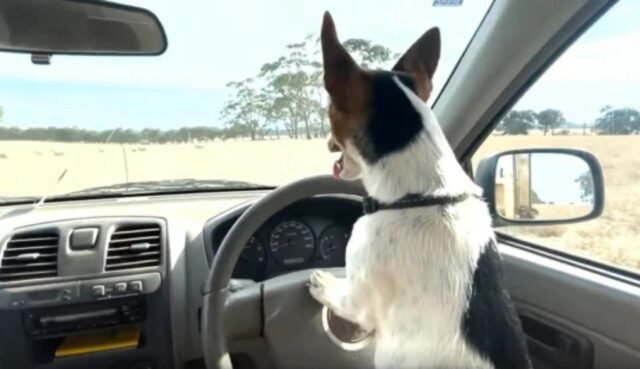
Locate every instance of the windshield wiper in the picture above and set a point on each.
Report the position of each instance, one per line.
(173, 185)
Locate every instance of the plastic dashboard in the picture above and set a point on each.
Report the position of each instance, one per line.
(193, 226)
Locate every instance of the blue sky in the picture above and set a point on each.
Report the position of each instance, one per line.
(213, 42)
(553, 177)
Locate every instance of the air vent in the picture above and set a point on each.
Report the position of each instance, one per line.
(134, 246)
(30, 255)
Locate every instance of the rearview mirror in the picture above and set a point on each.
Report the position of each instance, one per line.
(45, 27)
(542, 186)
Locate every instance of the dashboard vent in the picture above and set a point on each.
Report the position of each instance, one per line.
(134, 246)
(30, 255)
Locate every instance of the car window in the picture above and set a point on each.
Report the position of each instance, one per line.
(236, 100)
(588, 100)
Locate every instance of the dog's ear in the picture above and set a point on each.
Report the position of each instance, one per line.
(421, 61)
(341, 73)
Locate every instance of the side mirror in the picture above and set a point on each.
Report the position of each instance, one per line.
(542, 186)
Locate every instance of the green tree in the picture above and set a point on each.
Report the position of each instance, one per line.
(295, 85)
(291, 82)
(585, 181)
(368, 54)
(153, 135)
(517, 122)
(622, 121)
(1, 113)
(550, 119)
(244, 111)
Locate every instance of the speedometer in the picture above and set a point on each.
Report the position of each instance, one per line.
(292, 243)
(333, 242)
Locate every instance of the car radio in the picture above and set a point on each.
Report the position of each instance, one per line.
(76, 318)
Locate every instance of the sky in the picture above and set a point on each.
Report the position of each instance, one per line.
(214, 42)
(600, 69)
(553, 177)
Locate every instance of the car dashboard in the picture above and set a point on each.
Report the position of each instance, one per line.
(76, 268)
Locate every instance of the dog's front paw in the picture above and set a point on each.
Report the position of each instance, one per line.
(320, 285)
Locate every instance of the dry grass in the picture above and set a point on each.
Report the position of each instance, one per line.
(32, 168)
(540, 232)
(562, 211)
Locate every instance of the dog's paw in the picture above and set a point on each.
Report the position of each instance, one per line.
(320, 284)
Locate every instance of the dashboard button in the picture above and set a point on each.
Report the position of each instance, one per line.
(120, 287)
(136, 286)
(83, 238)
(97, 291)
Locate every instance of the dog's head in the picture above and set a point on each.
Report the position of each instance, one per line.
(370, 112)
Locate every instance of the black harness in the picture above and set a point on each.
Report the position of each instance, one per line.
(371, 205)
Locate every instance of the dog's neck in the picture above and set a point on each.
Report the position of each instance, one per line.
(426, 166)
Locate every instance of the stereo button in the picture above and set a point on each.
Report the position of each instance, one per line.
(120, 287)
(136, 286)
(97, 291)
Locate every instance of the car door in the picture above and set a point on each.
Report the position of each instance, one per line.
(576, 285)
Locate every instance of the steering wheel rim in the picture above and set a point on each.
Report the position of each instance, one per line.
(216, 291)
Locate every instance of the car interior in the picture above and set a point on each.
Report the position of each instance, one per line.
(211, 278)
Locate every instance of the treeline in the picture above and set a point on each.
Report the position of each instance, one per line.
(61, 134)
(620, 121)
(623, 121)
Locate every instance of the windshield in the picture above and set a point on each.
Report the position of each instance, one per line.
(236, 101)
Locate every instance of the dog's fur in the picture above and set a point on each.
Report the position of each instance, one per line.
(427, 282)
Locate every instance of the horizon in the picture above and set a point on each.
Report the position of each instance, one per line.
(3, 125)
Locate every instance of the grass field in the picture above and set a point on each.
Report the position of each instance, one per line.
(32, 168)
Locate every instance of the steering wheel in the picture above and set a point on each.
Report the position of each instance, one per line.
(280, 311)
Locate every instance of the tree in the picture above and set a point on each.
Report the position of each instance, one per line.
(585, 181)
(368, 54)
(295, 85)
(622, 121)
(270, 114)
(550, 119)
(1, 113)
(244, 110)
(292, 82)
(517, 122)
(153, 135)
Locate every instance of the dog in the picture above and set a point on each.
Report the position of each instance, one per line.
(423, 272)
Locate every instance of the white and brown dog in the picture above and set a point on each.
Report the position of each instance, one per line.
(423, 272)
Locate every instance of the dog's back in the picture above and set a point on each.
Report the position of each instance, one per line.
(426, 276)
(442, 301)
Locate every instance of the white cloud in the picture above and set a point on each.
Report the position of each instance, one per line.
(614, 59)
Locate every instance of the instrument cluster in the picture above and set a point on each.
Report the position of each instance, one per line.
(302, 236)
